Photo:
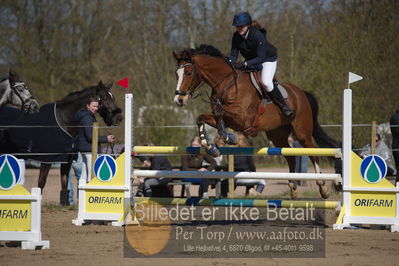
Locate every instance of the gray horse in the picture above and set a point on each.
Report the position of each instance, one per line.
(14, 92)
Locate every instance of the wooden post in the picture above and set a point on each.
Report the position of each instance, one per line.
(94, 148)
(373, 136)
(230, 159)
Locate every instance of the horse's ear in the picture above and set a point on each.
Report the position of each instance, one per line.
(100, 84)
(13, 76)
(177, 56)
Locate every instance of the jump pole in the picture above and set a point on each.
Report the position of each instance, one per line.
(180, 150)
(237, 175)
(336, 205)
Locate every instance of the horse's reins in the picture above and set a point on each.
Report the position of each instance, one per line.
(219, 100)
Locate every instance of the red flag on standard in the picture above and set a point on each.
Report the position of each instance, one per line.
(124, 82)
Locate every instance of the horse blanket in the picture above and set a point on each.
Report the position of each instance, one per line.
(35, 133)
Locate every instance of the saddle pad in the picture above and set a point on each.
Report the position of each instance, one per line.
(267, 98)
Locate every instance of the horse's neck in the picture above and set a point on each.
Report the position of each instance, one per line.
(232, 88)
(220, 77)
(68, 106)
(66, 115)
(213, 70)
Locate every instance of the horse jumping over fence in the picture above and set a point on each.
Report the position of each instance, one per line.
(236, 104)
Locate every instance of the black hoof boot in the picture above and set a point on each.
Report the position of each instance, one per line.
(213, 151)
(230, 138)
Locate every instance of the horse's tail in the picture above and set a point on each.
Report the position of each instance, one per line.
(322, 139)
(320, 136)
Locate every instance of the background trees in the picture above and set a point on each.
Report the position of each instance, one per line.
(62, 46)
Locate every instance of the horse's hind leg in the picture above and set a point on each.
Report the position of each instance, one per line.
(44, 170)
(64, 194)
(307, 142)
(64, 171)
(279, 137)
(325, 194)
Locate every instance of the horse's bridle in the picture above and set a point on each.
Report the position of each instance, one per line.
(26, 107)
(197, 76)
(110, 113)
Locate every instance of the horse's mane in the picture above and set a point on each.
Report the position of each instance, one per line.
(203, 49)
(78, 95)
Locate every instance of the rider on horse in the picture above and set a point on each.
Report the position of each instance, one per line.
(259, 54)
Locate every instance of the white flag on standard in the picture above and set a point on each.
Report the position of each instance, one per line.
(354, 77)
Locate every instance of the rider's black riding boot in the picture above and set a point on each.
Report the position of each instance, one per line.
(276, 96)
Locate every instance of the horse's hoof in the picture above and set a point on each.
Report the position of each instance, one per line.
(292, 185)
(325, 194)
(213, 151)
(230, 139)
(338, 187)
(293, 190)
(294, 193)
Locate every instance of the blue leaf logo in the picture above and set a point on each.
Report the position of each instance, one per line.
(373, 169)
(105, 168)
(10, 172)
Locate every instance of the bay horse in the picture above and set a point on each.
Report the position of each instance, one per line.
(66, 109)
(235, 104)
(14, 92)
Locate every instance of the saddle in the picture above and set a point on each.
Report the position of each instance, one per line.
(256, 81)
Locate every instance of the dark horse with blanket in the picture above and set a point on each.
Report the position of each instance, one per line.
(236, 104)
(49, 135)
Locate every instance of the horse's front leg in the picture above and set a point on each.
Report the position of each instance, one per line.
(228, 138)
(44, 170)
(209, 119)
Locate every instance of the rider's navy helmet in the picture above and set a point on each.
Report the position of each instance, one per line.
(242, 19)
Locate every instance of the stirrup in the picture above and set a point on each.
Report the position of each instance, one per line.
(288, 112)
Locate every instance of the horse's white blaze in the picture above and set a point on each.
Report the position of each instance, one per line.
(180, 73)
(110, 94)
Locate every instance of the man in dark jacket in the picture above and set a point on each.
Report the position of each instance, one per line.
(394, 122)
(86, 118)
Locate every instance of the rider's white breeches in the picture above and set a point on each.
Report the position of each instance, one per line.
(268, 71)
